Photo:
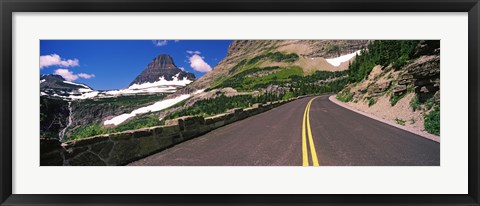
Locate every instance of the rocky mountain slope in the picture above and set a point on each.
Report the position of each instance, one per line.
(57, 82)
(308, 55)
(407, 93)
(57, 86)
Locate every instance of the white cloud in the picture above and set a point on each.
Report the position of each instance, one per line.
(86, 76)
(70, 76)
(159, 43)
(56, 60)
(198, 64)
(181, 68)
(193, 52)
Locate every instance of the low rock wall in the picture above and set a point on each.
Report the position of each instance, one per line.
(124, 147)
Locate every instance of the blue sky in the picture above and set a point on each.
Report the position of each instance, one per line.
(113, 64)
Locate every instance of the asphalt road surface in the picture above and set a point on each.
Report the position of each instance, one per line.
(311, 131)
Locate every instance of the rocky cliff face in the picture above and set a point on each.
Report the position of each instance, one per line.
(53, 117)
(161, 66)
(312, 55)
(424, 73)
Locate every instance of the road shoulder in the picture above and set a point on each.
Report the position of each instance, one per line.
(424, 134)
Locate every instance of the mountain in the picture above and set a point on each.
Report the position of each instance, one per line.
(57, 82)
(163, 71)
(308, 56)
(56, 86)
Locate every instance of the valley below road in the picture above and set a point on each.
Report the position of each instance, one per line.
(312, 131)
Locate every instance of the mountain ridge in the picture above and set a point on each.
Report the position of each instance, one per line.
(312, 55)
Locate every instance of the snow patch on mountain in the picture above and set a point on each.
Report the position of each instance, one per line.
(84, 95)
(164, 89)
(158, 106)
(339, 60)
(85, 90)
(162, 82)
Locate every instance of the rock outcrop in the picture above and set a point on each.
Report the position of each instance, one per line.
(424, 75)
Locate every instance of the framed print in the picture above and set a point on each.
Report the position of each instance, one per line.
(266, 102)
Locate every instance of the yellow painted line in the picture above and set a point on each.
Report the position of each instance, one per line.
(307, 131)
(304, 140)
(310, 138)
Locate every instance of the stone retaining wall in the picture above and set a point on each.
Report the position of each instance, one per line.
(124, 147)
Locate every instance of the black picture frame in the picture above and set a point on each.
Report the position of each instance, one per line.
(9, 6)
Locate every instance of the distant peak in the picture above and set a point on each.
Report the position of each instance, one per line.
(161, 66)
(52, 77)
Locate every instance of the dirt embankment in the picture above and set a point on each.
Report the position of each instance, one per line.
(404, 97)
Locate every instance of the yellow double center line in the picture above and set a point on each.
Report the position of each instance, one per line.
(307, 131)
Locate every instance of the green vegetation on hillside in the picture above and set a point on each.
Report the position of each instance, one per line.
(415, 103)
(345, 96)
(87, 131)
(432, 121)
(381, 52)
(275, 56)
(122, 101)
(255, 78)
(371, 101)
(400, 121)
(94, 129)
(251, 66)
(395, 98)
(222, 103)
(320, 82)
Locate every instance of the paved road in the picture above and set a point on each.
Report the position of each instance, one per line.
(309, 132)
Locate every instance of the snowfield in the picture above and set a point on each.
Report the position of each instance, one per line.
(161, 105)
(84, 95)
(339, 60)
(164, 89)
(85, 90)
